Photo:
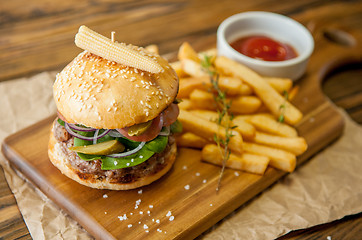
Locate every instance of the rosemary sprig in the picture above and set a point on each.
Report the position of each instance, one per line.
(223, 110)
(283, 106)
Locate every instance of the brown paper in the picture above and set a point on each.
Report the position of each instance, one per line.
(326, 188)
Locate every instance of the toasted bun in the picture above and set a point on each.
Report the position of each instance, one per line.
(59, 160)
(98, 93)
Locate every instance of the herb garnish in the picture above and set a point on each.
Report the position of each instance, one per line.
(283, 106)
(223, 110)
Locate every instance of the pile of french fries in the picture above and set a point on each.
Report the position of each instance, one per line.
(259, 140)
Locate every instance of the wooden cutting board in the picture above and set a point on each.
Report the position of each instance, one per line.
(183, 203)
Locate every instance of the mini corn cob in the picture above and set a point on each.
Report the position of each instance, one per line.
(102, 46)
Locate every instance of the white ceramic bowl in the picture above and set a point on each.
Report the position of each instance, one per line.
(275, 26)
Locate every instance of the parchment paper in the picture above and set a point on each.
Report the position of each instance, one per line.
(326, 188)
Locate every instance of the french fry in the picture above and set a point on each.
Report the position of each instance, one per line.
(245, 117)
(295, 145)
(246, 162)
(185, 104)
(246, 129)
(270, 97)
(228, 84)
(208, 115)
(202, 100)
(245, 90)
(153, 48)
(239, 105)
(293, 92)
(279, 159)
(245, 104)
(280, 84)
(178, 69)
(187, 52)
(192, 68)
(209, 130)
(269, 125)
(191, 140)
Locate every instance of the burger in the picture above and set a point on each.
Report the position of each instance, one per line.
(115, 121)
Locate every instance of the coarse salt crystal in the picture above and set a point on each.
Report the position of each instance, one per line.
(204, 181)
(129, 225)
(197, 174)
(168, 214)
(236, 174)
(151, 206)
(140, 191)
(157, 220)
(145, 226)
(105, 196)
(187, 187)
(171, 218)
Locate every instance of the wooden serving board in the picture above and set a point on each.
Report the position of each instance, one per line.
(183, 203)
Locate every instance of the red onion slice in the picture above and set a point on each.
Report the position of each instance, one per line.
(115, 133)
(77, 135)
(81, 129)
(95, 136)
(128, 153)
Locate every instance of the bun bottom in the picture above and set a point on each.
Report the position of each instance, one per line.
(59, 160)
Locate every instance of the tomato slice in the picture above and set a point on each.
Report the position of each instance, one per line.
(170, 114)
(151, 133)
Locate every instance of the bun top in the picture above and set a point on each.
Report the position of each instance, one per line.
(98, 93)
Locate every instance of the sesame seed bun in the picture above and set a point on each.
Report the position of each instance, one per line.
(98, 93)
(60, 160)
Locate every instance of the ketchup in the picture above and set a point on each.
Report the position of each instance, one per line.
(264, 48)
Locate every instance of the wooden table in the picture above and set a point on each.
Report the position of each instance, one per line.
(38, 36)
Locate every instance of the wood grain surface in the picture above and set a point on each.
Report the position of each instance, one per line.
(39, 36)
